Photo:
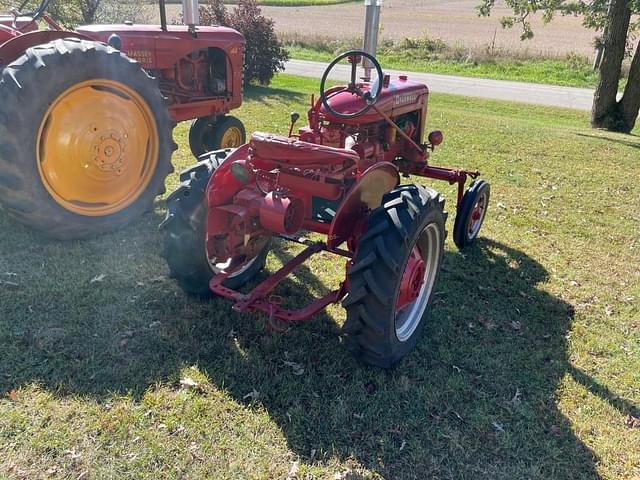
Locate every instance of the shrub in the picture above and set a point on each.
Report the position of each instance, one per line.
(264, 54)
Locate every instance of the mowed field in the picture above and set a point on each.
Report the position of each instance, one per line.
(527, 369)
(454, 21)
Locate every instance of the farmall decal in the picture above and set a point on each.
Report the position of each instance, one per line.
(405, 98)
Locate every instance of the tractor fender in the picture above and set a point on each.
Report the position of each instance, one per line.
(13, 49)
(365, 195)
(222, 184)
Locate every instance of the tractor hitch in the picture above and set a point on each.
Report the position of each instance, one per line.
(261, 299)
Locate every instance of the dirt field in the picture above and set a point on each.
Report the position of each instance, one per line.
(454, 21)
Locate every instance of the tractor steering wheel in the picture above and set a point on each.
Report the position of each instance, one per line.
(370, 97)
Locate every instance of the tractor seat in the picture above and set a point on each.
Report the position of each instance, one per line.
(293, 152)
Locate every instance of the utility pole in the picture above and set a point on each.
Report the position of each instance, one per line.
(371, 29)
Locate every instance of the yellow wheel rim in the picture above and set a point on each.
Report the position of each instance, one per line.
(97, 147)
(231, 138)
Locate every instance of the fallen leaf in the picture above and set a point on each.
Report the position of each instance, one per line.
(155, 324)
(517, 397)
(293, 471)
(497, 427)
(13, 395)
(516, 325)
(298, 369)
(404, 444)
(189, 382)
(632, 422)
(98, 278)
(254, 395)
(344, 475)
(488, 324)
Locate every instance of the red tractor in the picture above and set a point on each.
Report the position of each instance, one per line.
(338, 177)
(86, 117)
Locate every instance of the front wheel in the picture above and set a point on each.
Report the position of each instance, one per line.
(471, 214)
(393, 275)
(210, 133)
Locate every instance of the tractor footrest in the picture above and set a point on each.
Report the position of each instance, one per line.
(260, 298)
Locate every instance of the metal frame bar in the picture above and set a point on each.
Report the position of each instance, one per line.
(259, 299)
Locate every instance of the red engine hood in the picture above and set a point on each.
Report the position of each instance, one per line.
(399, 97)
(155, 48)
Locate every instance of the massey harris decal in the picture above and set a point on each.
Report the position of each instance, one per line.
(141, 56)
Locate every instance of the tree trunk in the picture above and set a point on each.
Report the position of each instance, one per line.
(89, 8)
(630, 102)
(606, 111)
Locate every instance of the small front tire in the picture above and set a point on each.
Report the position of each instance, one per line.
(210, 133)
(471, 214)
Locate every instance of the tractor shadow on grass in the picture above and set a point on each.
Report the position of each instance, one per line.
(257, 93)
(481, 383)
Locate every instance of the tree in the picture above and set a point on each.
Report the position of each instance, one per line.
(71, 13)
(264, 54)
(613, 18)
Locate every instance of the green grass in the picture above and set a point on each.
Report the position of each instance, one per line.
(528, 367)
(533, 70)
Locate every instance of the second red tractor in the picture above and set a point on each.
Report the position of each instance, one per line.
(86, 116)
(338, 177)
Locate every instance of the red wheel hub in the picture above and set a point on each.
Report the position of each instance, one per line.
(412, 279)
(477, 214)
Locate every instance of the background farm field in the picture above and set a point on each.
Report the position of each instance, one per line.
(528, 367)
(453, 21)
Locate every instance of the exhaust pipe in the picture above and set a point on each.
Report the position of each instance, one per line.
(371, 29)
(191, 15)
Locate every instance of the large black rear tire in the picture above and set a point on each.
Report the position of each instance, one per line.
(28, 89)
(376, 330)
(184, 232)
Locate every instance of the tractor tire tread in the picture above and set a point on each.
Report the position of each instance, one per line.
(27, 87)
(184, 231)
(378, 259)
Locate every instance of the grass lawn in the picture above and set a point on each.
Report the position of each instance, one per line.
(528, 368)
(533, 70)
